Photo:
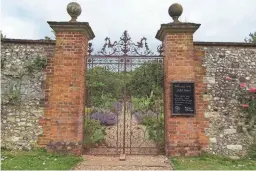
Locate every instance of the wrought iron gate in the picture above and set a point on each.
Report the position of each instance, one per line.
(118, 117)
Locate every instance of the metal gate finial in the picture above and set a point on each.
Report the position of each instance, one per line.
(126, 47)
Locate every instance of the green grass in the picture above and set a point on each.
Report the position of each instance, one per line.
(37, 160)
(212, 162)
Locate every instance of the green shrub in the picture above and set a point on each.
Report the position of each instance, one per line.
(102, 82)
(146, 79)
(36, 65)
(145, 104)
(155, 128)
(141, 104)
(103, 102)
(94, 132)
(149, 120)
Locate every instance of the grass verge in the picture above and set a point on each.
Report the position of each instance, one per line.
(37, 159)
(212, 162)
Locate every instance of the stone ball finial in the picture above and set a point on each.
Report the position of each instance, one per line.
(175, 11)
(74, 10)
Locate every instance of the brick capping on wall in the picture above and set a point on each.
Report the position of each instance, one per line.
(176, 28)
(196, 43)
(79, 27)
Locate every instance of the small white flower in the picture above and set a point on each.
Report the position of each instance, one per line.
(43, 163)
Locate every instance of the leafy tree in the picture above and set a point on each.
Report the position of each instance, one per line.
(251, 39)
(103, 85)
(48, 38)
(146, 79)
(2, 36)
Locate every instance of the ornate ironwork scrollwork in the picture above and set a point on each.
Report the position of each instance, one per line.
(160, 49)
(90, 49)
(125, 47)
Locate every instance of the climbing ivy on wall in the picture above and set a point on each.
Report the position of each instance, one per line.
(35, 65)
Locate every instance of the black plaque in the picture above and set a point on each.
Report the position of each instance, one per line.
(183, 98)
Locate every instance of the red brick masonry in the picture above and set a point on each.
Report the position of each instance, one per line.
(65, 90)
(185, 135)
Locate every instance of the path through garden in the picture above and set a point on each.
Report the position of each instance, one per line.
(129, 130)
(132, 162)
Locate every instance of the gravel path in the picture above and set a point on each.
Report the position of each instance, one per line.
(132, 162)
(136, 138)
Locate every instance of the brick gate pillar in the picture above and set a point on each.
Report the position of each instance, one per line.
(184, 135)
(63, 121)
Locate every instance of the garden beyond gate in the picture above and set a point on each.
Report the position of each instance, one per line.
(124, 99)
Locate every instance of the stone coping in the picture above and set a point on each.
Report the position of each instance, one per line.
(82, 27)
(196, 43)
(28, 41)
(234, 44)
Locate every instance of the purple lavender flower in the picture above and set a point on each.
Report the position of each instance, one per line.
(105, 118)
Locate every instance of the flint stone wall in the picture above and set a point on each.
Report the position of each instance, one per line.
(22, 94)
(227, 122)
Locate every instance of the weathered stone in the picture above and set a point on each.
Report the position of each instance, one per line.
(21, 123)
(213, 140)
(206, 97)
(210, 80)
(229, 131)
(29, 124)
(234, 147)
(247, 78)
(15, 139)
(11, 119)
(211, 114)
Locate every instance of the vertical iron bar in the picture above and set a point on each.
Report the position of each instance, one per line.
(117, 125)
(158, 106)
(124, 104)
(118, 64)
(130, 107)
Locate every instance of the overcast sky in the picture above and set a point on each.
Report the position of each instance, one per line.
(221, 20)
